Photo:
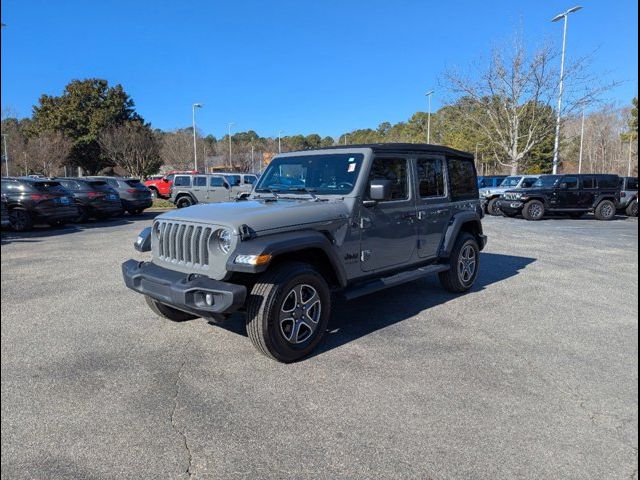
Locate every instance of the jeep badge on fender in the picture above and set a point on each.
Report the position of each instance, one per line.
(344, 220)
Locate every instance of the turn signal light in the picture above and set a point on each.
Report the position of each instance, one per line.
(254, 260)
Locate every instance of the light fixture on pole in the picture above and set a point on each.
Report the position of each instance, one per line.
(429, 94)
(556, 147)
(230, 162)
(195, 147)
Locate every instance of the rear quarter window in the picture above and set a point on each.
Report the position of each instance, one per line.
(609, 182)
(632, 184)
(462, 178)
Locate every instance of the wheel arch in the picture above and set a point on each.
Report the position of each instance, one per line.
(311, 247)
(462, 222)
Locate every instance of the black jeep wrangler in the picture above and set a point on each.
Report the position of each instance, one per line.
(572, 195)
(349, 220)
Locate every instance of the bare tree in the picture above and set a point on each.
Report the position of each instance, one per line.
(132, 147)
(49, 152)
(509, 100)
(177, 149)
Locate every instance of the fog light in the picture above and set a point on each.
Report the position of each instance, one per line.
(208, 298)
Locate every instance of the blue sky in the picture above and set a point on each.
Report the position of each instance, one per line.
(297, 66)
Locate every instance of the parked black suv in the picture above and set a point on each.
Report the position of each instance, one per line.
(351, 220)
(135, 197)
(572, 194)
(33, 200)
(94, 198)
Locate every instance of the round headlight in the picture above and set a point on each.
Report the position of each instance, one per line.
(224, 240)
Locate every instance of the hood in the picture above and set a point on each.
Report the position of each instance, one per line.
(261, 215)
(493, 190)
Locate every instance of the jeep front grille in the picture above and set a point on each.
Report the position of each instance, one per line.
(183, 243)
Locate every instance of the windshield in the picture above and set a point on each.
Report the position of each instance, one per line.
(511, 182)
(546, 181)
(330, 174)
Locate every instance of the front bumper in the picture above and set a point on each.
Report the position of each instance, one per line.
(510, 206)
(186, 292)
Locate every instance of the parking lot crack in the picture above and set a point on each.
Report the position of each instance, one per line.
(176, 400)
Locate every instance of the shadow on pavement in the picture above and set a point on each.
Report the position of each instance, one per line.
(360, 317)
(41, 231)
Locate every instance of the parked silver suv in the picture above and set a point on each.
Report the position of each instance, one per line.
(491, 195)
(629, 196)
(190, 189)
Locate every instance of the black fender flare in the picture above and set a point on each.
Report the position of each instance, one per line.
(605, 196)
(455, 227)
(287, 242)
(179, 195)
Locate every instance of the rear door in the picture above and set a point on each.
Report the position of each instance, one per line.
(388, 229)
(199, 188)
(433, 206)
(588, 192)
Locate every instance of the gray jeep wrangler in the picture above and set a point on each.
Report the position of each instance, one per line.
(345, 220)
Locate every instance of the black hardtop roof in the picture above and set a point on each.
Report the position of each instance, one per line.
(401, 148)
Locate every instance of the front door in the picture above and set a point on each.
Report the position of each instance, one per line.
(568, 193)
(218, 190)
(433, 205)
(388, 228)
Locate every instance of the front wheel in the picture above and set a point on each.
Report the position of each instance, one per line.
(463, 263)
(168, 312)
(606, 210)
(288, 311)
(184, 202)
(493, 208)
(21, 220)
(632, 209)
(533, 210)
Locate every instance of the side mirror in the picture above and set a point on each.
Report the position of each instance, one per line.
(380, 190)
(165, 180)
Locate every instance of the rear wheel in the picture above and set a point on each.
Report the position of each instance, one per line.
(168, 312)
(533, 210)
(632, 209)
(463, 263)
(184, 202)
(606, 210)
(493, 208)
(288, 311)
(83, 215)
(21, 220)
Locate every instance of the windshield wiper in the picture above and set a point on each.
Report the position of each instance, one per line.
(272, 191)
(310, 191)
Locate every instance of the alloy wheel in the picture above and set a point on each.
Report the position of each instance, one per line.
(467, 263)
(300, 314)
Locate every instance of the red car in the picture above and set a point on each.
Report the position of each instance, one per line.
(161, 187)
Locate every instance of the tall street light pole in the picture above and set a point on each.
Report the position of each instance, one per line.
(6, 154)
(230, 161)
(429, 94)
(195, 147)
(581, 144)
(280, 141)
(556, 146)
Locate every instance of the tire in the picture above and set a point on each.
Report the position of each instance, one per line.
(21, 220)
(632, 209)
(493, 209)
(464, 265)
(83, 215)
(533, 210)
(135, 211)
(606, 210)
(277, 324)
(184, 202)
(168, 312)
(154, 193)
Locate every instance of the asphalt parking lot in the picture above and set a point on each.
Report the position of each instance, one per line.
(533, 374)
